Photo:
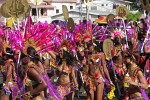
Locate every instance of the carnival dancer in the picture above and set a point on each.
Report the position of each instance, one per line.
(141, 35)
(85, 79)
(67, 81)
(19, 71)
(97, 68)
(135, 80)
(10, 87)
(1, 62)
(147, 60)
(118, 55)
(36, 80)
(118, 61)
(48, 61)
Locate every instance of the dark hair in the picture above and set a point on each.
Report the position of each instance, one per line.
(99, 47)
(31, 51)
(25, 60)
(8, 54)
(2, 61)
(77, 43)
(1, 47)
(9, 50)
(115, 40)
(67, 56)
(89, 44)
(135, 23)
(79, 56)
(33, 54)
(132, 58)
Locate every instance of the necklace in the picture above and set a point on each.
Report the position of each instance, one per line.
(118, 47)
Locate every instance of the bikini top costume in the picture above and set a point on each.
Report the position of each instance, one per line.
(95, 63)
(134, 91)
(117, 49)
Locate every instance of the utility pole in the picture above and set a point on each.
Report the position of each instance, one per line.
(81, 18)
(87, 12)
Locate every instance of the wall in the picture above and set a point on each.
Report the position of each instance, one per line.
(58, 6)
(75, 16)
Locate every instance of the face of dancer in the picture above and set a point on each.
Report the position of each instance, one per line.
(16, 54)
(81, 53)
(140, 25)
(25, 60)
(46, 62)
(1, 51)
(61, 53)
(118, 39)
(127, 60)
(91, 48)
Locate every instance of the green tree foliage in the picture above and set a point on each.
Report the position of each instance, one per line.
(134, 17)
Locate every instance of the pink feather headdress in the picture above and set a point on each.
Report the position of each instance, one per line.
(117, 32)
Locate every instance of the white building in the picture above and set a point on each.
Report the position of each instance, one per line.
(98, 7)
(51, 10)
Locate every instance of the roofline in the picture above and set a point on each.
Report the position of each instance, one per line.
(41, 6)
(62, 2)
(90, 13)
(125, 1)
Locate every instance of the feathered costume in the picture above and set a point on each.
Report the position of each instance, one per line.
(45, 37)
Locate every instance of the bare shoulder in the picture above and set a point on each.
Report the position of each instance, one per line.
(138, 71)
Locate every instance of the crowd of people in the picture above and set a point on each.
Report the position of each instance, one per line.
(120, 68)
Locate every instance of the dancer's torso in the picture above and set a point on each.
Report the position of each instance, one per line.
(95, 68)
(134, 91)
(118, 62)
(64, 73)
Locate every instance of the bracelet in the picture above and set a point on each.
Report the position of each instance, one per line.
(10, 83)
(111, 82)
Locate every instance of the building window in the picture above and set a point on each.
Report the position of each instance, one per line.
(57, 11)
(93, 7)
(102, 4)
(34, 12)
(71, 7)
(44, 12)
(114, 6)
